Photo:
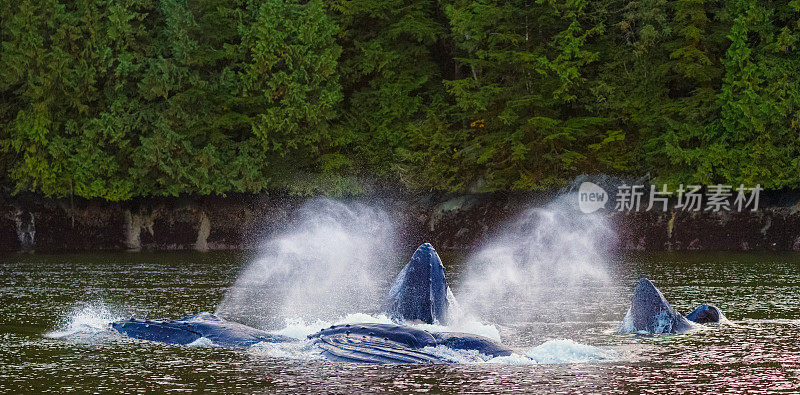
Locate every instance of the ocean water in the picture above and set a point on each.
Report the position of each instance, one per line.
(54, 311)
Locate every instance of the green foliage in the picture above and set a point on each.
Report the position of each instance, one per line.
(293, 59)
(760, 97)
(518, 94)
(115, 99)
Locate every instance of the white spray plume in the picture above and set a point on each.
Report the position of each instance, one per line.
(330, 261)
(85, 320)
(538, 264)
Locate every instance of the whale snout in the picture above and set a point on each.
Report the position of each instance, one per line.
(419, 292)
(645, 286)
(423, 253)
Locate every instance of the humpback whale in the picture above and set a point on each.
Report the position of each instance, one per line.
(418, 294)
(651, 313)
(386, 343)
(190, 329)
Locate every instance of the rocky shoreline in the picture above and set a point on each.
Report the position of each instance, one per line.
(35, 223)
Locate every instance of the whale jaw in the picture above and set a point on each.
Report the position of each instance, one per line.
(419, 292)
(706, 314)
(651, 313)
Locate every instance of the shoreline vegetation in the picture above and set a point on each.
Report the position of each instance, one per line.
(138, 99)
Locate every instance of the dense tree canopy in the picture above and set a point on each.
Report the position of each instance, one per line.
(116, 99)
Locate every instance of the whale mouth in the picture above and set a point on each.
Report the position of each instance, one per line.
(420, 292)
(651, 313)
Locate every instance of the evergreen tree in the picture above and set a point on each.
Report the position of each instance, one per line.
(392, 81)
(116, 99)
(524, 68)
(292, 70)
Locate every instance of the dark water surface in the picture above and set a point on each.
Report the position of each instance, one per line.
(758, 352)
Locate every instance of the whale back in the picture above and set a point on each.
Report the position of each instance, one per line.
(419, 292)
(190, 329)
(651, 313)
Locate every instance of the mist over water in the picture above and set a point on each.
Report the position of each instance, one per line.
(331, 260)
(335, 259)
(536, 263)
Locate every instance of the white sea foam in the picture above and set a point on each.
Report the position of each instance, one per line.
(551, 352)
(627, 323)
(302, 350)
(202, 342)
(569, 351)
(471, 327)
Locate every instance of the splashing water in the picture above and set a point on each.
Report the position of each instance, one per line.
(560, 351)
(550, 352)
(547, 257)
(331, 261)
(85, 320)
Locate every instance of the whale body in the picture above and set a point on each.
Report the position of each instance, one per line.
(190, 329)
(419, 292)
(651, 313)
(388, 343)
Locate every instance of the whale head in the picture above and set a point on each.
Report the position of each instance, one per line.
(651, 313)
(419, 292)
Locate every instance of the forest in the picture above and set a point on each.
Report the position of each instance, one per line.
(117, 99)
